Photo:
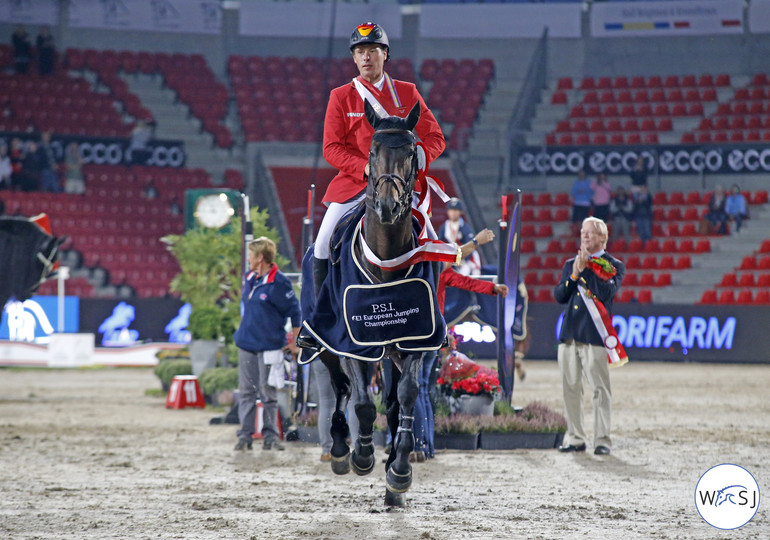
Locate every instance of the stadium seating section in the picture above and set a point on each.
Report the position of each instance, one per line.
(282, 99)
(115, 226)
(675, 245)
(637, 109)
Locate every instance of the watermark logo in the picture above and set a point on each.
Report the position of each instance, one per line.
(727, 496)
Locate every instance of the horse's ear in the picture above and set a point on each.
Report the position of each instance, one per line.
(371, 115)
(413, 117)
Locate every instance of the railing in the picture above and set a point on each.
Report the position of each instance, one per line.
(524, 110)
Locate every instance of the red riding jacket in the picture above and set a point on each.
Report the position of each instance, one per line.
(348, 135)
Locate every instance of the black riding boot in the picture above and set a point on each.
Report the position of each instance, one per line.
(320, 270)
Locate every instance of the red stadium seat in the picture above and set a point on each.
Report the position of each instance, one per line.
(762, 297)
(709, 297)
(726, 296)
(744, 297)
(644, 296)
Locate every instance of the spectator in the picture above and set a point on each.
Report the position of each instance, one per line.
(423, 409)
(638, 175)
(268, 299)
(5, 168)
(622, 210)
(736, 208)
(150, 192)
(643, 213)
(46, 51)
(715, 220)
(139, 150)
(74, 183)
(49, 179)
(17, 155)
(175, 208)
(456, 231)
(22, 49)
(583, 349)
(602, 196)
(32, 167)
(581, 200)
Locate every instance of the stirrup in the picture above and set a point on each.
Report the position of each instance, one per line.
(308, 342)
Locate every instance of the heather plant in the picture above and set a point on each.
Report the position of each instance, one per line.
(457, 424)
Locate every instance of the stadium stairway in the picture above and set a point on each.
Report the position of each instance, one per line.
(175, 122)
(708, 268)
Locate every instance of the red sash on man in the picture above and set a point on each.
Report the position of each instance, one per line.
(616, 354)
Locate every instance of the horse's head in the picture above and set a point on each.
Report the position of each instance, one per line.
(392, 164)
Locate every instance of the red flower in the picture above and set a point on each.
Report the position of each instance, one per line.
(484, 381)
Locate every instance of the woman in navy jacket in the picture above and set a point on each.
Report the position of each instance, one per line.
(267, 300)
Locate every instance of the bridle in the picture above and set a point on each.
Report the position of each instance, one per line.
(403, 185)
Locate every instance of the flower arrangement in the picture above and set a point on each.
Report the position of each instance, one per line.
(461, 376)
(482, 382)
(602, 268)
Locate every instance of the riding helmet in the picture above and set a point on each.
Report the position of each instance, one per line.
(369, 33)
(455, 204)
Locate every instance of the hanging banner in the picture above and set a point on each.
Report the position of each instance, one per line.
(508, 273)
(485, 21)
(313, 20)
(674, 18)
(759, 16)
(32, 12)
(182, 16)
(669, 159)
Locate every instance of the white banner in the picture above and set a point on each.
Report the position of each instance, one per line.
(182, 16)
(759, 16)
(32, 12)
(314, 20)
(500, 21)
(687, 17)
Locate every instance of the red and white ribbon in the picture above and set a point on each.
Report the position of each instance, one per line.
(615, 352)
(428, 248)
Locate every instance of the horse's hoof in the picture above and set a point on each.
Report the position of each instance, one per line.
(362, 465)
(341, 465)
(394, 499)
(398, 483)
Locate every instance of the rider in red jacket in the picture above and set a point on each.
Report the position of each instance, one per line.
(348, 135)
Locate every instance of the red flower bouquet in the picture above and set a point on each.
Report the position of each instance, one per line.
(483, 382)
(602, 268)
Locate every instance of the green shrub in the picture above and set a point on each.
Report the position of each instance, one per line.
(168, 369)
(218, 379)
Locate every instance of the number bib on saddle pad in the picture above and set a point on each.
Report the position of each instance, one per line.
(385, 313)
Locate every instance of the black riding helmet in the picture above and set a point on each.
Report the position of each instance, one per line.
(370, 33)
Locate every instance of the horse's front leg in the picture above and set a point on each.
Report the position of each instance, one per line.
(362, 459)
(399, 475)
(339, 425)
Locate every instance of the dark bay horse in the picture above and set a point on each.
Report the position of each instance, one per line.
(371, 308)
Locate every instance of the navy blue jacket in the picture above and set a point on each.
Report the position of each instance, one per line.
(576, 322)
(266, 302)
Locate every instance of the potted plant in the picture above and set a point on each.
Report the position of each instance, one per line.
(456, 431)
(166, 370)
(534, 426)
(472, 394)
(218, 385)
(210, 281)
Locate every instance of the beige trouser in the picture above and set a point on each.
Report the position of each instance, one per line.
(575, 359)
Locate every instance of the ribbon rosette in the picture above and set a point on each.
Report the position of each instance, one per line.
(602, 268)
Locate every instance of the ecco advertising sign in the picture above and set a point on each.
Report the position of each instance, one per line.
(674, 159)
(114, 150)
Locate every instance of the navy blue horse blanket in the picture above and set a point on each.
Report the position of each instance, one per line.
(357, 317)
